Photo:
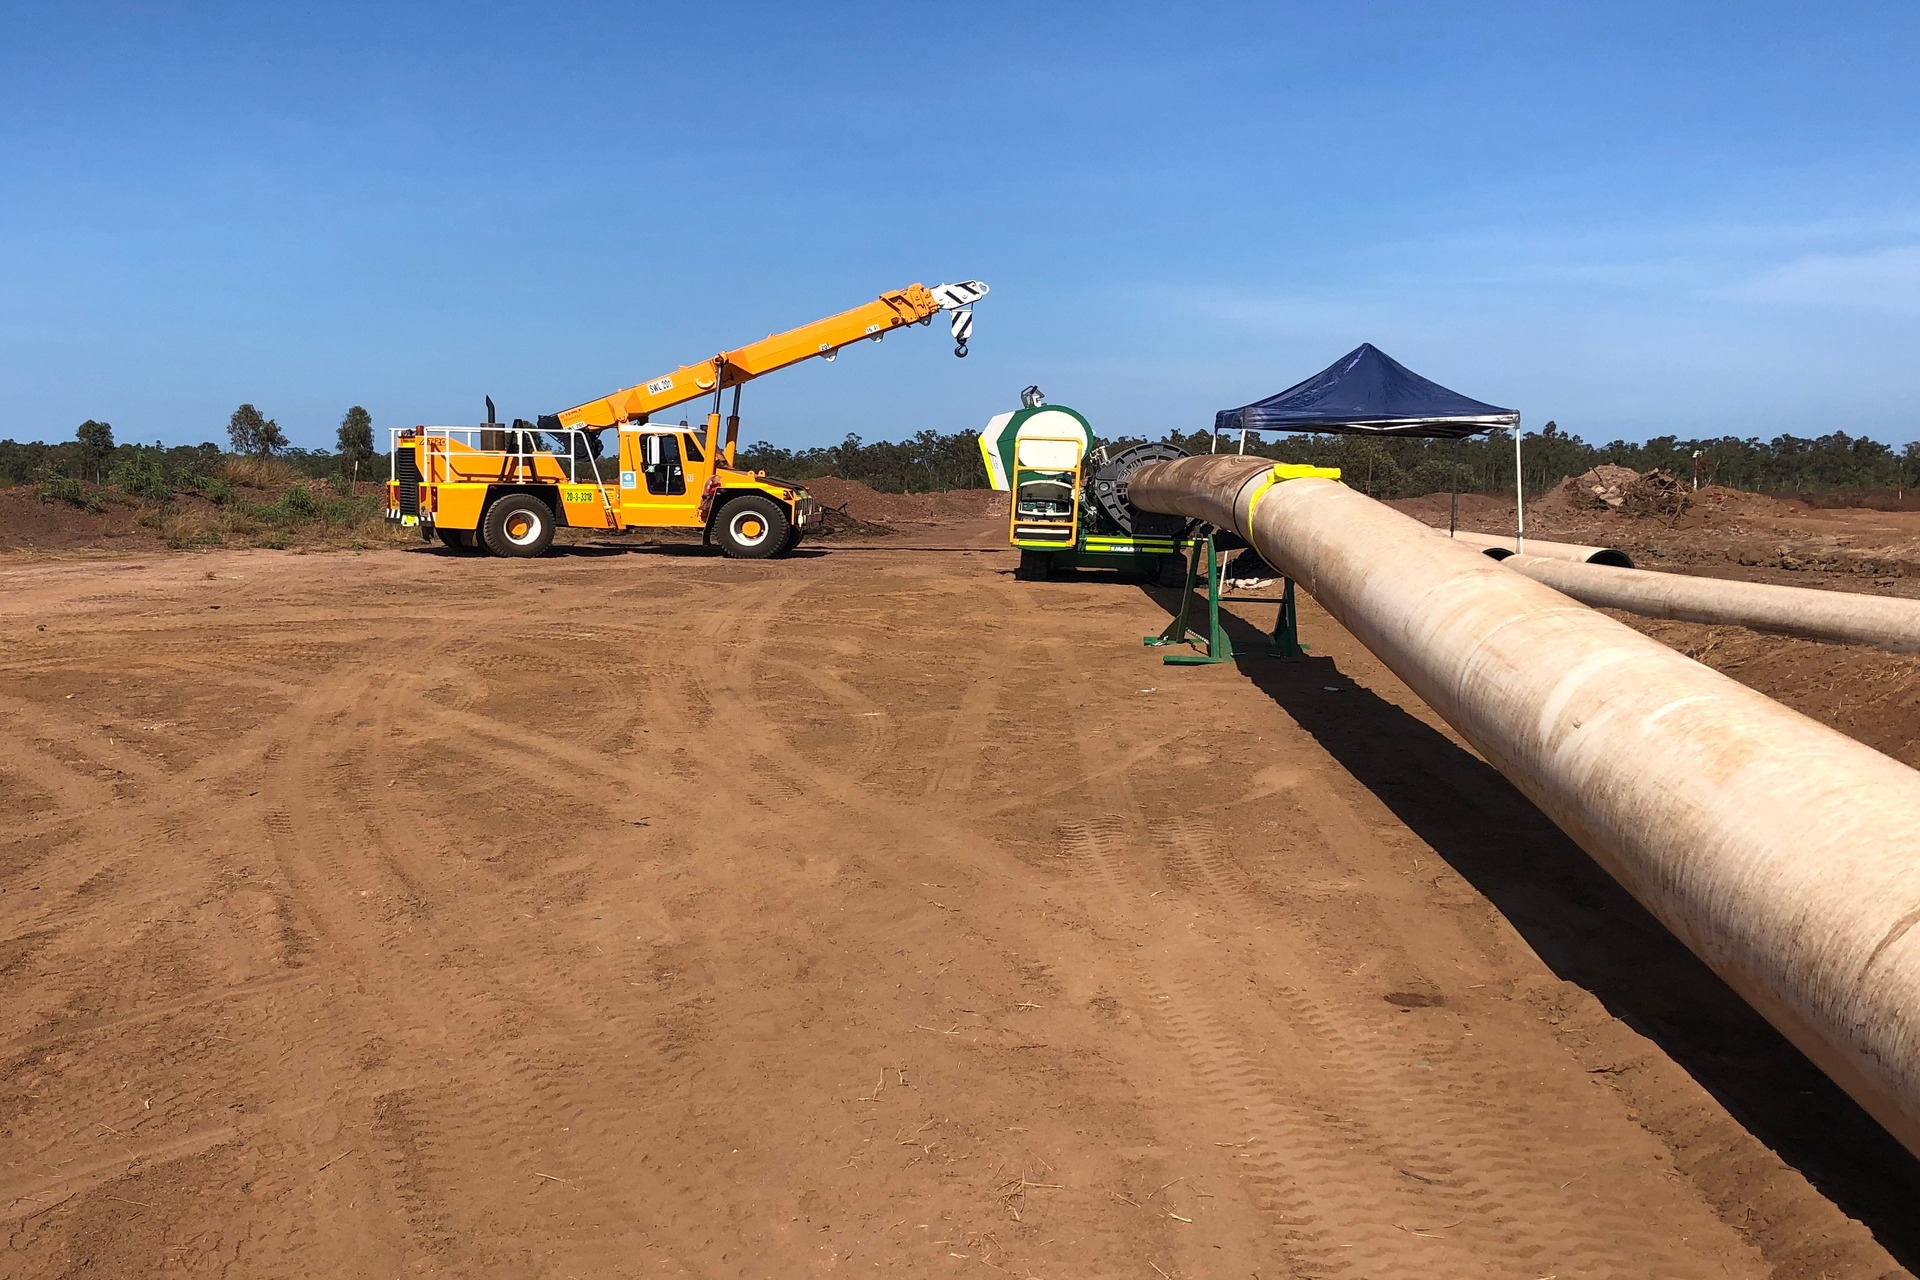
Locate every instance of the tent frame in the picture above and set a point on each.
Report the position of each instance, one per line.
(1453, 498)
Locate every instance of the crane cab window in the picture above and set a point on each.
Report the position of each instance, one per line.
(661, 465)
(692, 447)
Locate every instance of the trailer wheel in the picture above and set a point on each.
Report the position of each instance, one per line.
(751, 528)
(1035, 566)
(518, 526)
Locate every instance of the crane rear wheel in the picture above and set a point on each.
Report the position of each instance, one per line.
(519, 526)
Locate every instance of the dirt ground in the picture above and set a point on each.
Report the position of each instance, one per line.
(1724, 533)
(642, 913)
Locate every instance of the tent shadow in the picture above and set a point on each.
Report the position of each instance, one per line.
(1589, 931)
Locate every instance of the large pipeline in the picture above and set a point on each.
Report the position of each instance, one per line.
(1784, 854)
(1498, 547)
(1844, 617)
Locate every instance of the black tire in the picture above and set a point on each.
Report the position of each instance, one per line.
(1035, 566)
(751, 528)
(459, 541)
(519, 526)
(1172, 571)
(794, 535)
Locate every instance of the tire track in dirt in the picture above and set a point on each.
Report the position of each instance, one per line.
(1301, 1178)
(1470, 1138)
(966, 737)
(1286, 1155)
(1393, 1136)
(793, 786)
(498, 990)
(524, 1040)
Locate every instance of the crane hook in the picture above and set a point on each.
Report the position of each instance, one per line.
(962, 330)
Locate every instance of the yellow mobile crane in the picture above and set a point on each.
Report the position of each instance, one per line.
(505, 489)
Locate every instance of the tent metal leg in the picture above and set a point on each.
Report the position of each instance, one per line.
(1453, 498)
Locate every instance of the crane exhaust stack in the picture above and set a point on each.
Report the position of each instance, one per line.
(1781, 852)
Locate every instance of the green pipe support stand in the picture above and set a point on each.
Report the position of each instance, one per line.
(1214, 644)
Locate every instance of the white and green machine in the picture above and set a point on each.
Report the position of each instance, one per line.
(1069, 507)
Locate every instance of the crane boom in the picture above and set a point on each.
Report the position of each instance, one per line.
(914, 304)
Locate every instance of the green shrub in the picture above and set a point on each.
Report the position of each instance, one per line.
(142, 475)
(55, 487)
(294, 507)
(300, 506)
(212, 488)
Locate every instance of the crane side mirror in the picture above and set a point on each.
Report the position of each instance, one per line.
(651, 453)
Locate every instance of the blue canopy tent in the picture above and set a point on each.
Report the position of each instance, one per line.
(1368, 393)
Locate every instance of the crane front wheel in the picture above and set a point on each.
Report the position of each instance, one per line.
(519, 526)
(752, 528)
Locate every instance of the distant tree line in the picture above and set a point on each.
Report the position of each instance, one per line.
(922, 463)
(1396, 467)
(1389, 466)
(94, 456)
(929, 460)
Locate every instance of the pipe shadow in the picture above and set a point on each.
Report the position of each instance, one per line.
(1591, 932)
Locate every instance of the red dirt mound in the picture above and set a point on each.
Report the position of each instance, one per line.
(1714, 505)
(30, 523)
(863, 502)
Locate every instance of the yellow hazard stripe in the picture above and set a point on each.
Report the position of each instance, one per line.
(1287, 471)
(987, 460)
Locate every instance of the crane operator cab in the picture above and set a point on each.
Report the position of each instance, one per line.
(663, 464)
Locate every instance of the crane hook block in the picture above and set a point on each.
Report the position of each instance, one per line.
(962, 326)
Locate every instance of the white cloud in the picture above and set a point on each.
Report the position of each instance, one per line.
(1883, 280)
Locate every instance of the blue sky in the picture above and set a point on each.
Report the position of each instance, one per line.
(1632, 218)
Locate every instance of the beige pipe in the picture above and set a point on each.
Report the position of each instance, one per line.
(1787, 856)
(1844, 617)
(1499, 548)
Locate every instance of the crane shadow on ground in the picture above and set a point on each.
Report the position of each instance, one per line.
(1589, 931)
(604, 550)
(694, 551)
(558, 550)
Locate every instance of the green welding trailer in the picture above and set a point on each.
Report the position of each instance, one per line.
(1069, 507)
